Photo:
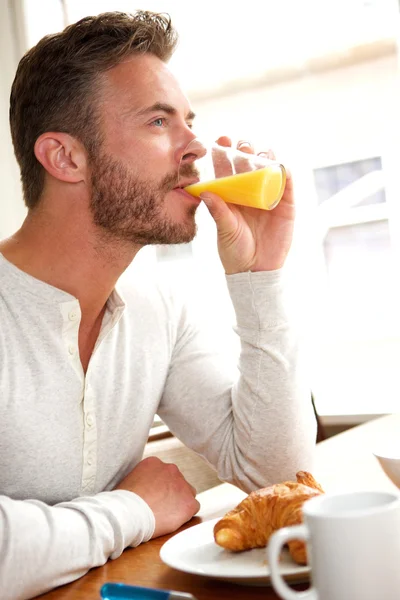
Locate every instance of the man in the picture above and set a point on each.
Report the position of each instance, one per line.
(99, 127)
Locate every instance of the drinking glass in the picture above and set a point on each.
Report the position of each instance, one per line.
(236, 177)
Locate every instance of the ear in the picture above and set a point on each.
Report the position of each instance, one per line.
(62, 156)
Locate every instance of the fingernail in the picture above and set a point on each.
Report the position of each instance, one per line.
(243, 143)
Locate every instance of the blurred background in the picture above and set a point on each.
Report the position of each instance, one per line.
(318, 82)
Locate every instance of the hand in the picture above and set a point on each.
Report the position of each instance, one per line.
(252, 239)
(170, 497)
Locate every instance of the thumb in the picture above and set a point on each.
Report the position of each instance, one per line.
(220, 212)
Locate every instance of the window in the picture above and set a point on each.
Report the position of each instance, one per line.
(331, 180)
(359, 321)
(357, 248)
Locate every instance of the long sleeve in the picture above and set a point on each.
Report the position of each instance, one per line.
(42, 547)
(260, 428)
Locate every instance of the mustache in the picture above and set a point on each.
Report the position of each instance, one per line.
(186, 171)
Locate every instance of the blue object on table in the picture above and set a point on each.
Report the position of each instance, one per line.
(120, 591)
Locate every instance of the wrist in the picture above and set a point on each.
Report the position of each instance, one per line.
(259, 268)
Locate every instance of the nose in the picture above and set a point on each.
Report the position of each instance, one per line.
(193, 151)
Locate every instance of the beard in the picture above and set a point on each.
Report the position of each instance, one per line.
(133, 210)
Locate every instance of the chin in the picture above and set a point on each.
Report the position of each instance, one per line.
(184, 235)
(180, 225)
(169, 232)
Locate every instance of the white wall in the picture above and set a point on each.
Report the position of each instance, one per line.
(12, 209)
(317, 120)
(337, 116)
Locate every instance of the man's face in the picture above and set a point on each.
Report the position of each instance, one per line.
(145, 125)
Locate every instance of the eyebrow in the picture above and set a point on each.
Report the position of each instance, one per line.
(167, 108)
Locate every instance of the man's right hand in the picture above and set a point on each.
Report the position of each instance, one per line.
(171, 498)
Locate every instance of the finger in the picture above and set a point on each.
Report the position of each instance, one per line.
(222, 162)
(269, 154)
(241, 163)
(225, 141)
(193, 510)
(288, 193)
(224, 218)
(244, 146)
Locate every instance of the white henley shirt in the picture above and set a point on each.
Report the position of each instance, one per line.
(67, 439)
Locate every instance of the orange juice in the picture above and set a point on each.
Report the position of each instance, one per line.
(262, 188)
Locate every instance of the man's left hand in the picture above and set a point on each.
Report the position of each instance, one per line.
(252, 239)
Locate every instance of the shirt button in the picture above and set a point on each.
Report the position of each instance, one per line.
(90, 460)
(89, 420)
(71, 349)
(73, 315)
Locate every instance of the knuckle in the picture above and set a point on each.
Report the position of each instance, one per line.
(173, 469)
(193, 507)
(152, 460)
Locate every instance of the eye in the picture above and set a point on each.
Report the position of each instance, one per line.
(160, 122)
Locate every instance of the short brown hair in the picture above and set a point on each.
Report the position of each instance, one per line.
(56, 81)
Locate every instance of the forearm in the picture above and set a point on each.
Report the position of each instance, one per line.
(273, 419)
(260, 429)
(42, 547)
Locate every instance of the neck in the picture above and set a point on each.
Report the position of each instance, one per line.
(70, 253)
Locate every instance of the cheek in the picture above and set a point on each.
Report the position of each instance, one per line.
(147, 158)
(155, 156)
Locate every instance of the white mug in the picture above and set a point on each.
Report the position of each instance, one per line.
(353, 547)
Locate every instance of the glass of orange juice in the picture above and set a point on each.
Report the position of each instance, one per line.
(236, 177)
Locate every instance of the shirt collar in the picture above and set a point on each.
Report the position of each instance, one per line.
(46, 292)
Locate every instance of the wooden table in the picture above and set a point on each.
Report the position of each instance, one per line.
(343, 462)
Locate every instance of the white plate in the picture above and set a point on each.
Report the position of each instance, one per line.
(195, 551)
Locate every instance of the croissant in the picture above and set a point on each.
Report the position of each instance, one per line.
(262, 512)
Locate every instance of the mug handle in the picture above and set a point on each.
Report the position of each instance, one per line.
(274, 548)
